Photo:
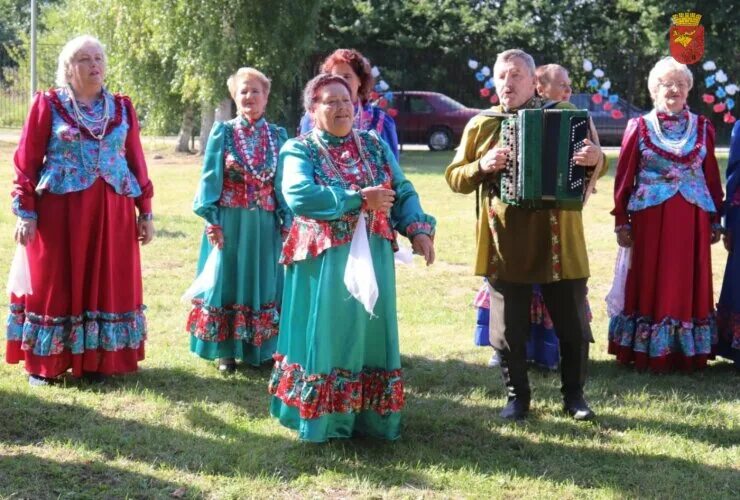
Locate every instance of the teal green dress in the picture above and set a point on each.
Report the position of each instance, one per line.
(338, 370)
(238, 316)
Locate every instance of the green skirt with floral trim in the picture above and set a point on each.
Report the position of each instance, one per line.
(239, 317)
(338, 371)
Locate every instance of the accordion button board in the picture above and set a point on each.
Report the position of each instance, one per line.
(540, 171)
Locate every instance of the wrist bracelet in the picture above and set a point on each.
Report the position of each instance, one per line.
(146, 216)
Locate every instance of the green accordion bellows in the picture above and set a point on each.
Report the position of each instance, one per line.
(541, 172)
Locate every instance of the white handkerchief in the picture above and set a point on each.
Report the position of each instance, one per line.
(359, 273)
(206, 280)
(19, 278)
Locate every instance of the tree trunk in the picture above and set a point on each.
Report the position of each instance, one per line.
(186, 131)
(209, 115)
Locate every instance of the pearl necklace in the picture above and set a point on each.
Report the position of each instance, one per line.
(265, 174)
(324, 150)
(674, 145)
(81, 119)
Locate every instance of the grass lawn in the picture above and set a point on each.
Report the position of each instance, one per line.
(178, 428)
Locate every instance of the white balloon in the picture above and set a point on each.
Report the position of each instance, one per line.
(472, 64)
(606, 85)
(598, 72)
(375, 72)
(486, 71)
(709, 66)
(731, 89)
(721, 76)
(383, 86)
(587, 66)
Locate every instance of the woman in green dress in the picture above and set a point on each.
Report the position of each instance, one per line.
(338, 368)
(236, 317)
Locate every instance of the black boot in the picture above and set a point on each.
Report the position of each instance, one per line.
(573, 364)
(514, 373)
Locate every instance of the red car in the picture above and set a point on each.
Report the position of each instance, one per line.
(431, 118)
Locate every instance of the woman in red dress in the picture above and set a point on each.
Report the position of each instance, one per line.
(80, 176)
(668, 200)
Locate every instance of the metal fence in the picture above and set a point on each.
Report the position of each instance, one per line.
(15, 84)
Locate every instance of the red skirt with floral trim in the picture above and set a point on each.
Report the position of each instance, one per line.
(86, 310)
(668, 320)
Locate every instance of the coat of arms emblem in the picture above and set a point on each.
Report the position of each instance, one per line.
(687, 37)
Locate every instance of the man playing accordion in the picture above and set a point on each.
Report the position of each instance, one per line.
(518, 247)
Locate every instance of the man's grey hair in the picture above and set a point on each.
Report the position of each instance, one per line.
(510, 54)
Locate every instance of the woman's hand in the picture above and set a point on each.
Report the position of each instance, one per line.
(727, 241)
(588, 155)
(422, 244)
(716, 235)
(378, 198)
(494, 160)
(624, 237)
(145, 229)
(215, 236)
(25, 231)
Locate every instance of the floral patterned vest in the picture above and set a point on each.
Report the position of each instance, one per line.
(309, 237)
(250, 160)
(663, 172)
(75, 159)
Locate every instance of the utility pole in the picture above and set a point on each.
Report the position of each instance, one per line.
(33, 47)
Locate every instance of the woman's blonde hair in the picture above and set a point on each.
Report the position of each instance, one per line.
(246, 72)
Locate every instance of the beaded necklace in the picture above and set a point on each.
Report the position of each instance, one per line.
(83, 121)
(252, 161)
(324, 150)
(674, 145)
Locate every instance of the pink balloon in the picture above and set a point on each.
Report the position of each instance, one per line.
(597, 98)
(708, 98)
(719, 107)
(382, 102)
(607, 106)
(392, 112)
(484, 92)
(494, 99)
(728, 118)
(616, 114)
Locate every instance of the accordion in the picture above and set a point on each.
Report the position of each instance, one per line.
(540, 171)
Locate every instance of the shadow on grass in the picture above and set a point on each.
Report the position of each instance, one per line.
(88, 479)
(447, 430)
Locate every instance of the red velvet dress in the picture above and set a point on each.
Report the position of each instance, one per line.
(86, 309)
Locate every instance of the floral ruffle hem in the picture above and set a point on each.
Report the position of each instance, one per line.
(340, 391)
(217, 324)
(663, 346)
(92, 330)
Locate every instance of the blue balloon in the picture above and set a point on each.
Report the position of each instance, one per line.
(720, 92)
(709, 81)
(377, 88)
(489, 84)
(604, 92)
(593, 83)
(614, 98)
(730, 102)
(388, 96)
(480, 76)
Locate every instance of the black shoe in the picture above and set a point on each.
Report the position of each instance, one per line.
(226, 365)
(94, 377)
(39, 381)
(515, 409)
(578, 409)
